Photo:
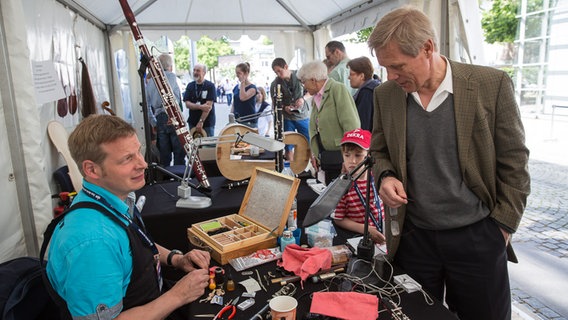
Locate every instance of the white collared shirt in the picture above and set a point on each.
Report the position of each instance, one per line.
(444, 89)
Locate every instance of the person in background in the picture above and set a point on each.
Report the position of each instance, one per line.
(107, 267)
(296, 110)
(452, 164)
(200, 99)
(228, 89)
(244, 96)
(337, 57)
(167, 139)
(265, 118)
(329, 65)
(349, 215)
(333, 114)
(361, 78)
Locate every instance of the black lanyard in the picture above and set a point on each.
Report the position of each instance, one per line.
(198, 94)
(377, 224)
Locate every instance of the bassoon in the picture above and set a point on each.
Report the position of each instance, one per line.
(168, 99)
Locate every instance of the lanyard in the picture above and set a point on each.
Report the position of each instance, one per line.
(377, 224)
(198, 94)
(131, 224)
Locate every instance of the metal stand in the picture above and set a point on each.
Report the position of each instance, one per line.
(366, 247)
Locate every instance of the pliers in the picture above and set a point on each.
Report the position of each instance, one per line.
(230, 305)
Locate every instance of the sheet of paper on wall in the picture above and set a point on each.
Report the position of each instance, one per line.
(379, 249)
(47, 85)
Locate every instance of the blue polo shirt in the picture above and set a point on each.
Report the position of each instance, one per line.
(89, 259)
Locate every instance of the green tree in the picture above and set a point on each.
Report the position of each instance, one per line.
(363, 35)
(500, 23)
(181, 54)
(208, 50)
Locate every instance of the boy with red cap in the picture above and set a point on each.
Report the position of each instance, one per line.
(350, 211)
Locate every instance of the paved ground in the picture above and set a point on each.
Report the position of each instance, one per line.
(540, 281)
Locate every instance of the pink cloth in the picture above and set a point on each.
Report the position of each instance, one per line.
(305, 262)
(346, 305)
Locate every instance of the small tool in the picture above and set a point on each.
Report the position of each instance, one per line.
(229, 306)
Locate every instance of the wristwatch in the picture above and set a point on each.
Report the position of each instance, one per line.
(384, 174)
(171, 255)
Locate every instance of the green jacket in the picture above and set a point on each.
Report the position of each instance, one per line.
(337, 115)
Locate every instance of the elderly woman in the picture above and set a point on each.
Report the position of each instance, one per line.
(333, 114)
(361, 78)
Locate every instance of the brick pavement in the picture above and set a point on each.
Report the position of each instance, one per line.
(545, 221)
(545, 224)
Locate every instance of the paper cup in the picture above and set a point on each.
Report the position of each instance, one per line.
(283, 308)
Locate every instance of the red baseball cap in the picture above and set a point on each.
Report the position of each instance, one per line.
(360, 137)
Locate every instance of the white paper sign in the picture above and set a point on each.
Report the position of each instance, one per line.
(48, 87)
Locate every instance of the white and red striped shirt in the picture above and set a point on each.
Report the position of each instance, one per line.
(350, 205)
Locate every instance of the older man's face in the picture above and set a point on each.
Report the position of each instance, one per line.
(410, 73)
(198, 74)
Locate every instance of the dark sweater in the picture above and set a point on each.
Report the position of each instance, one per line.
(441, 198)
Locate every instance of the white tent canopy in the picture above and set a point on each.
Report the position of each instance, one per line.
(58, 32)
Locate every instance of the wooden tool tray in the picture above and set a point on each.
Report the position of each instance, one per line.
(261, 218)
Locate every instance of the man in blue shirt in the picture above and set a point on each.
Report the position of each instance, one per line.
(104, 269)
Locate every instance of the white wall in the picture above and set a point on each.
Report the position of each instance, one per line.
(45, 32)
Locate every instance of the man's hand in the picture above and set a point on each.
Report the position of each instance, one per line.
(194, 259)
(506, 236)
(392, 192)
(299, 103)
(191, 286)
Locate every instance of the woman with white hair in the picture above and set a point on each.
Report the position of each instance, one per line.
(333, 113)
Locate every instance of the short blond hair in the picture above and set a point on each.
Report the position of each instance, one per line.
(409, 27)
(86, 140)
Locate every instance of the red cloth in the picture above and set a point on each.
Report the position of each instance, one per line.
(305, 262)
(346, 305)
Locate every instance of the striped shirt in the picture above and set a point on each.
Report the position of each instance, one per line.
(350, 205)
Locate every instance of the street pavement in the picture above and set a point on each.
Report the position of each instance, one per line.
(539, 281)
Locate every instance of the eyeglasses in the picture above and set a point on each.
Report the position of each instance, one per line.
(394, 226)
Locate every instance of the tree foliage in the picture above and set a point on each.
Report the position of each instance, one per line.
(181, 54)
(207, 52)
(500, 23)
(363, 35)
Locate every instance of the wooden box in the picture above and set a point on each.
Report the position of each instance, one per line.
(261, 218)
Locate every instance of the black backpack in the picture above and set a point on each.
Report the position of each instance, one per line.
(23, 294)
(25, 291)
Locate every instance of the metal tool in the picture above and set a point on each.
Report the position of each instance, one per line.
(229, 306)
